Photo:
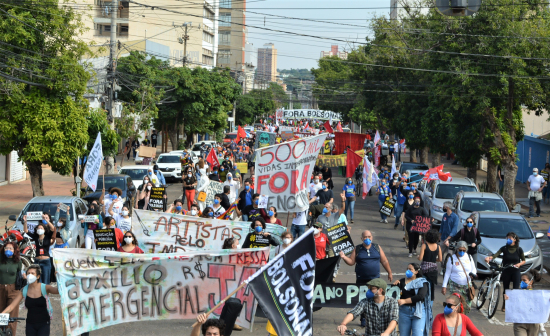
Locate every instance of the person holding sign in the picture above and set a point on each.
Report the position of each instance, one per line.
(63, 233)
(90, 226)
(123, 220)
(457, 274)
(527, 329)
(410, 215)
(110, 223)
(42, 237)
(260, 237)
(130, 244)
(10, 266)
(452, 322)
(383, 191)
(142, 201)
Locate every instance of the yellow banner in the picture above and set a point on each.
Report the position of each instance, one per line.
(327, 147)
(243, 167)
(335, 160)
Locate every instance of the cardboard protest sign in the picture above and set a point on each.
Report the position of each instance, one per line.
(93, 163)
(34, 215)
(90, 218)
(283, 172)
(103, 288)
(339, 239)
(262, 201)
(527, 306)
(106, 239)
(156, 200)
(147, 152)
(422, 224)
(287, 135)
(388, 206)
(335, 160)
(63, 207)
(263, 139)
(345, 295)
(159, 232)
(212, 189)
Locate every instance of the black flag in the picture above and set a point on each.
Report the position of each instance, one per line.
(284, 288)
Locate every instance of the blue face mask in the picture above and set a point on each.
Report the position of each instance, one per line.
(370, 294)
(222, 169)
(229, 177)
(215, 172)
(325, 210)
(523, 284)
(216, 201)
(383, 183)
(9, 254)
(447, 310)
(211, 214)
(247, 187)
(156, 171)
(411, 196)
(150, 173)
(324, 186)
(509, 241)
(367, 241)
(270, 213)
(412, 188)
(259, 229)
(461, 253)
(114, 197)
(350, 182)
(44, 221)
(178, 208)
(234, 167)
(409, 274)
(470, 224)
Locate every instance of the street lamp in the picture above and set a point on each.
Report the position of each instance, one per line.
(458, 7)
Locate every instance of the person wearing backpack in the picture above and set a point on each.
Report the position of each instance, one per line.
(37, 302)
(470, 234)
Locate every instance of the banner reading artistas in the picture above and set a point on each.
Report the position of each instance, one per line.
(103, 288)
(159, 232)
(311, 114)
(283, 172)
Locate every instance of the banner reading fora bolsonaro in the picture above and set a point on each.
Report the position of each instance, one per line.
(103, 288)
(283, 172)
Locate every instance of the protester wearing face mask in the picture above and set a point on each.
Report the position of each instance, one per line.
(528, 329)
(383, 192)
(236, 174)
(415, 309)
(214, 176)
(271, 217)
(208, 212)
(158, 176)
(535, 185)
(37, 302)
(195, 211)
(177, 208)
(232, 188)
(394, 184)
(246, 196)
(314, 187)
(409, 203)
(10, 266)
(63, 233)
(189, 185)
(251, 212)
(43, 237)
(327, 176)
(89, 227)
(113, 202)
(217, 207)
(324, 195)
(402, 191)
(142, 201)
(382, 311)
(153, 178)
(448, 228)
(130, 244)
(470, 234)
(143, 183)
(124, 221)
(453, 322)
(410, 215)
(321, 241)
(430, 254)
(512, 255)
(260, 237)
(328, 218)
(349, 190)
(224, 197)
(110, 223)
(201, 187)
(457, 273)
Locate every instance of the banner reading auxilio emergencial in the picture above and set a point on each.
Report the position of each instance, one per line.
(103, 288)
(283, 172)
(160, 232)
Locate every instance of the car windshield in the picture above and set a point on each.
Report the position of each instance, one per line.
(197, 147)
(416, 178)
(111, 181)
(412, 166)
(483, 204)
(231, 136)
(135, 174)
(499, 227)
(169, 159)
(49, 208)
(449, 191)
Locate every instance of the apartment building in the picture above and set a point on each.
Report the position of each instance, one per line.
(334, 52)
(267, 63)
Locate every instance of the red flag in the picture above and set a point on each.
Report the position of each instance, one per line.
(212, 159)
(328, 127)
(444, 176)
(354, 161)
(240, 133)
(339, 127)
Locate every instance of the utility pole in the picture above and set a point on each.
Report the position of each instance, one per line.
(185, 38)
(109, 160)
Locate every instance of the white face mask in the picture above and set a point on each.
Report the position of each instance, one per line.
(40, 232)
(59, 224)
(31, 278)
(316, 231)
(124, 213)
(128, 240)
(316, 181)
(193, 212)
(148, 187)
(287, 241)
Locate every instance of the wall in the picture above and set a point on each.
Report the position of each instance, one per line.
(531, 152)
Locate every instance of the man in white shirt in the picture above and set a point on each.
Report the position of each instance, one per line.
(314, 187)
(299, 224)
(535, 184)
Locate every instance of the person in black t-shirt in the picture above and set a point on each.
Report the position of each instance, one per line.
(154, 139)
(252, 211)
(43, 237)
(260, 237)
(214, 175)
(324, 195)
(225, 197)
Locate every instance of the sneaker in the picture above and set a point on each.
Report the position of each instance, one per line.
(352, 221)
(386, 221)
(537, 215)
(414, 253)
(381, 221)
(410, 255)
(363, 322)
(441, 272)
(395, 227)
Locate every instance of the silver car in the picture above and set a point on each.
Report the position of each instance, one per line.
(465, 203)
(48, 204)
(493, 228)
(437, 192)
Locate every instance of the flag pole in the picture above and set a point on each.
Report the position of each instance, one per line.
(223, 301)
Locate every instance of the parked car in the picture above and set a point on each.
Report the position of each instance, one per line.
(229, 136)
(170, 165)
(194, 157)
(124, 182)
(48, 204)
(197, 148)
(413, 167)
(249, 129)
(493, 228)
(137, 173)
(465, 203)
(437, 192)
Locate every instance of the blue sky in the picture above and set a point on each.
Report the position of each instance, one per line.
(352, 18)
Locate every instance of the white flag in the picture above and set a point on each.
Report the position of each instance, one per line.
(393, 169)
(93, 163)
(376, 138)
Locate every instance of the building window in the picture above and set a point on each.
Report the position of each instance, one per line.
(225, 3)
(207, 52)
(225, 19)
(207, 60)
(124, 29)
(207, 37)
(208, 14)
(107, 28)
(225, 38)
(224, 56)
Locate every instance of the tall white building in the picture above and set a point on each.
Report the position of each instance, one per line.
(398, 8)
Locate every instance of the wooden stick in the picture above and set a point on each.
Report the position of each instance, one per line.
(223, 301)
(287, 217)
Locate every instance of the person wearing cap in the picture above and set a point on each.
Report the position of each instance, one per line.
(159, 176)
(535, 184)
(382, 312)
(321, 241)
(457, 273)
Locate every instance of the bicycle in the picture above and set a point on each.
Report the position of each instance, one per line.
(353, 333)
(5, 331)
(491, 287)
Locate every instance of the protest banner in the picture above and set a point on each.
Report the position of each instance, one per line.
(105, 239)
(377, 156)
(242, 167)
(326, 149)
(339, 239)
(90, 218)
(283, 172)
(93, 163)
(159, 232)
(335, 160)
(63, 207)
(263, 139)
(34, 215)
(311, 114)
(156, 200)
(422, 224)
(345, 295)
(212, 189)
(287, 135)
(527, 306)
(388, 206)
(262, 202)
(103, 288)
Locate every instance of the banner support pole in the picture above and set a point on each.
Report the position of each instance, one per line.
(223, 301)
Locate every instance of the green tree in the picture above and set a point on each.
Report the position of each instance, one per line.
(43, 113)
(253, 105)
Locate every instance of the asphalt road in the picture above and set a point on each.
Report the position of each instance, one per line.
(325, 320)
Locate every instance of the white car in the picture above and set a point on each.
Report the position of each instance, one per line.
(137, 173)
(196, 146)
(170, 165)
(194, 157)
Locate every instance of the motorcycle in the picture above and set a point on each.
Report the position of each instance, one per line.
(27, 248)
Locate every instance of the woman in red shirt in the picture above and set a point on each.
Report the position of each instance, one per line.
(321, 241)
(271, 216)
(130, 244)
(452, 318)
